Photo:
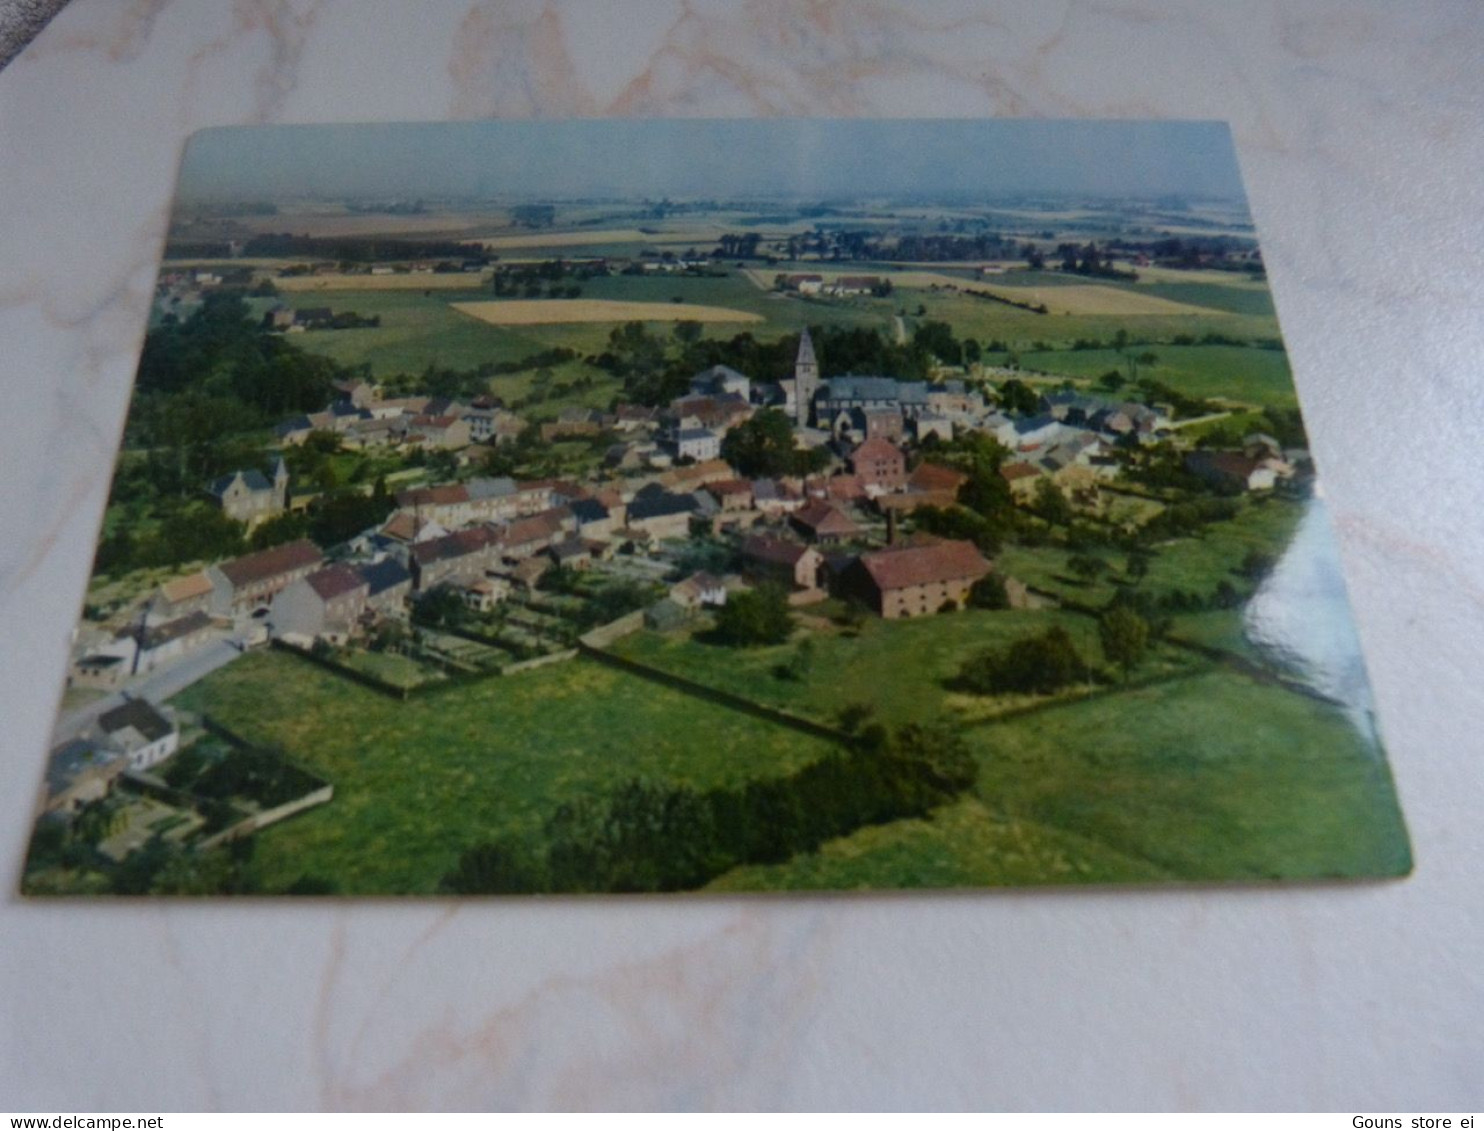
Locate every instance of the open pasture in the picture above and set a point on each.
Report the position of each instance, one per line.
(542, 312)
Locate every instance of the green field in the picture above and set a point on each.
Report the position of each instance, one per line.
(1197, 564)
(1215, 777)
(417, 783)
(420, 329)
(1235, 373)
(898, 667)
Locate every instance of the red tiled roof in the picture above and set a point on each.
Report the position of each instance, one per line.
(1013, 471)
(272, 562)
(936, 477)
(445, 495)
(908, 566)
(545, 525)
(823, 518)
(876, 448)
(456, 545)
(335, 581)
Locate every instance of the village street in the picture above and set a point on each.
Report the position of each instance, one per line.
(156, 686)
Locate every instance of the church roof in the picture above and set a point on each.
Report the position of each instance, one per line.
(806, 349)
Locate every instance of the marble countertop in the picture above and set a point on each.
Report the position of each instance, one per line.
(1358, 126)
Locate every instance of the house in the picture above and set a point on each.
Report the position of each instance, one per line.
(853, 285)
(731, 494)
(182, 595)
(775, 499)
(483, 594)
(720, 380)
(937, 485)
(804, 284)
(824, 523)
(463, 555)
(249, 496)
(880, 465)
(388, 585)
(171, 639)
(1021, 476)
(694, 443)
(699, 589)
(80, 772)
(444, 432)
(696, 475)
(361, 394)
(916, 579)
(766, 558)
(661, 513)
(1234, 470)
(243, 584)
(594, 519)
(326, 603)
(530, 571)
(530, 535)
(409, 528)
(932, 424)
(141, 731)
(571, 553)
(573, 421)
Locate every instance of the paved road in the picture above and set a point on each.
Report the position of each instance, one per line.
(156, 686)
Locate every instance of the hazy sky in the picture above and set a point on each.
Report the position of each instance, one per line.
(813, 158)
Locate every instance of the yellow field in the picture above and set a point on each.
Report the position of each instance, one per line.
(538, 312)
(1093, 299)
(458, 281)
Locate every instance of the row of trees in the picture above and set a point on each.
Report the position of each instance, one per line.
(652, 836)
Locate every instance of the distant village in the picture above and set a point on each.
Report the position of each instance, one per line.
(485, 541)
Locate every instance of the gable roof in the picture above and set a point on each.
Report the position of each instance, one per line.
(383, 575)
(903, 567)
(162, 634)
(335, 581)
(775, 551)
(263, 564)
(457, 545)
(252, 479)
(446, 494)
(936, 477)
(824, 518)
(184, 588)
(658, 505)
(139, 714)
(876, 448)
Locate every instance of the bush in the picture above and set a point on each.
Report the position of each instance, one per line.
(1033, 665)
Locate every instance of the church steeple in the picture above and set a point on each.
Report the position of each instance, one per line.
(806, 380)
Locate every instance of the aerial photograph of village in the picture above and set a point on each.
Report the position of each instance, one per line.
(725, 506)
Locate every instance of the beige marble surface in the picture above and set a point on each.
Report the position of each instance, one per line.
(1359, 130)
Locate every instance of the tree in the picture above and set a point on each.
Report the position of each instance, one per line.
(989, 593)
(762, 447)
(1051, 504)
(1016, 396)
(755, 617)
(1137, 566)
(1086, 566)
(1033, 665)
(1124, 635)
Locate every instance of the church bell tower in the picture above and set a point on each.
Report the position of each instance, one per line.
(806, 380)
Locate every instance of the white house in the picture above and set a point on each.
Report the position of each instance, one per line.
(141, 731)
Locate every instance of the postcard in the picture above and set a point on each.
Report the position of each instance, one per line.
(712, 506)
